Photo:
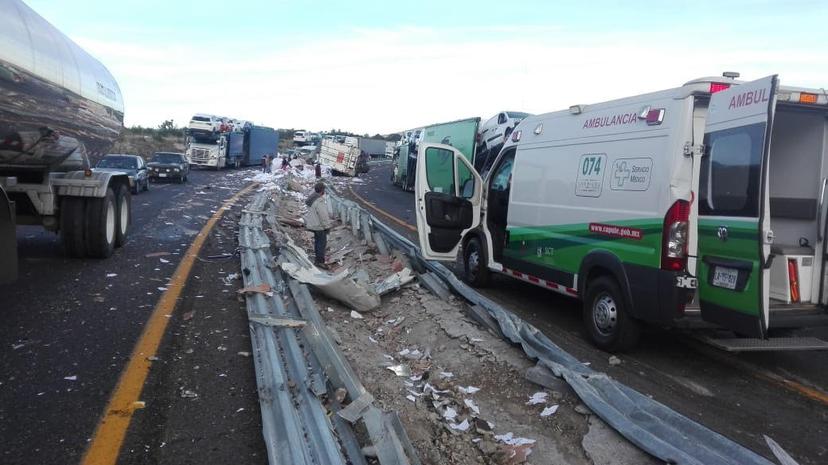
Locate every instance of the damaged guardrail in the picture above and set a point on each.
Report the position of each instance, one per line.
(297, 387)
(648, 424)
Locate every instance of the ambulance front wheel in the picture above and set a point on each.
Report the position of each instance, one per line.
(475, 264)
(607, 320)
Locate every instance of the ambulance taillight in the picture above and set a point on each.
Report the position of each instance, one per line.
(674, 242)
(718, 87)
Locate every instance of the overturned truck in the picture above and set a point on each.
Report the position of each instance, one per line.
(59, 107)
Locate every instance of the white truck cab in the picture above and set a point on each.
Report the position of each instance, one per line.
(702, 202)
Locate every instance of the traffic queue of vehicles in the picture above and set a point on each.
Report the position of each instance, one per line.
(699, 205)
(219, 142)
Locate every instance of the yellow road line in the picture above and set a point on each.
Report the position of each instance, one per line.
(383, 212)
(112, 427)
(805, 391)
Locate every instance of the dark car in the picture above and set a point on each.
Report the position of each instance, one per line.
(169, 165)
(133, 165)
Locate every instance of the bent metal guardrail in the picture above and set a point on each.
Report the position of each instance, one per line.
(648, 424)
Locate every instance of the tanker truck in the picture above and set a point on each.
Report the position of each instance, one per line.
(60, 109)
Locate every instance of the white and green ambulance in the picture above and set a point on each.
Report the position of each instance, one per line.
(702, 203)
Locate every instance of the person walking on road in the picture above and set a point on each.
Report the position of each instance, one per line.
(265, 163)
(319, 222)
(318, 170)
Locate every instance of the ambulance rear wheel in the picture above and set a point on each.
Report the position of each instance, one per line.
(607, 320)
(475, 264)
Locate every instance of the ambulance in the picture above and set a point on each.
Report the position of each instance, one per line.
(702, 205)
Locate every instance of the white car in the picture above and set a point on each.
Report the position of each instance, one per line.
(204, 124)
(492, 132)
(300, 137)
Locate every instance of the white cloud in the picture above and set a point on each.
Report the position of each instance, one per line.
(376, 80)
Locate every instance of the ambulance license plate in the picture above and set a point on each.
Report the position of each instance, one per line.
(162, 175)
(725, 277)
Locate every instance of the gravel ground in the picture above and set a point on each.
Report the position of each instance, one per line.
(460, 391)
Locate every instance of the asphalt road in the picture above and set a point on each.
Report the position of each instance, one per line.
(744, 396)
(70, 325)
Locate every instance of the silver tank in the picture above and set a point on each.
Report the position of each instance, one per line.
(58, 104)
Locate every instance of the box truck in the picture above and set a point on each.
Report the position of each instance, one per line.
(461, 134)
(343, 159)
(702, 204)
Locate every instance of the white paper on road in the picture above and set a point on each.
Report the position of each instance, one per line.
(549, 411)
(464, 426)
(472, 406)
(538, 398)
(509, 438)
(468, 390)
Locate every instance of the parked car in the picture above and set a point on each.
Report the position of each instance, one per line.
(168, 165)
(133, 165)
(493, 132)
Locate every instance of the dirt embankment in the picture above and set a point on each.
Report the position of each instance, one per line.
(146, 144)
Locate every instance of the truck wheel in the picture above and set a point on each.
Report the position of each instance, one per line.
(607, 320)
(475, 264)
(101, 225)
(124, 212)
(71, 226)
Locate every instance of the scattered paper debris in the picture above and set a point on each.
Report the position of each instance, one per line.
(510, 439)
(473, 407)
(450, 413)
(411, 398)
(111, 275)
(538, 398)
(613, 360)
(243, 354)
(446, 375)
(468, 390)
(372, 340)
(188, 394)
(163, 261)
(463, 426)
(71, 378)
(549, 411)
(400, 370)
(356, 315)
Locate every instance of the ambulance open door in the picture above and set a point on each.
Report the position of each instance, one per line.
(734, 216)
(448, 195)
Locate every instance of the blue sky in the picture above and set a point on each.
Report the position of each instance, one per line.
(374, 66)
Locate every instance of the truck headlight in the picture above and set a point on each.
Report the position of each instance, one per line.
(176, 170)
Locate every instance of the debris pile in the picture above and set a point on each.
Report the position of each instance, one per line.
(460, 391)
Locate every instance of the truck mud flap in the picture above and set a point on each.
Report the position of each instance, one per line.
(8, 240)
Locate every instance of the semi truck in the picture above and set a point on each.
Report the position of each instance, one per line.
(244, 147)
(343, 159)
(461, 134)
(60, 111)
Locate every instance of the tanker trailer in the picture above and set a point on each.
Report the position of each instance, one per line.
(59, 109)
